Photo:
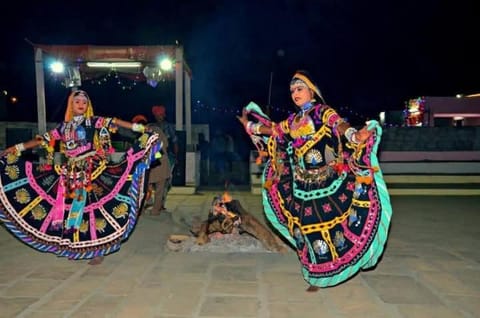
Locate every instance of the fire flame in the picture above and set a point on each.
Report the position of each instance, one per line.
(226, 197)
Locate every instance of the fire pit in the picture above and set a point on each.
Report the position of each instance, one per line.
(228, 228)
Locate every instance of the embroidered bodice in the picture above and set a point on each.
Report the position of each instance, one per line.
(309, 136)
(83, 135)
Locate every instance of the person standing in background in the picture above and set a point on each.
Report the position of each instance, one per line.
(159, 176)
(204, 148)
(161, 124)
(218, 160)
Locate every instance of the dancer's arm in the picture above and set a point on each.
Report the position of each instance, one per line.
(20, 147)
(253, 128)
(133, 126)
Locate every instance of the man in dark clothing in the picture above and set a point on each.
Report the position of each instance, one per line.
(159, 112)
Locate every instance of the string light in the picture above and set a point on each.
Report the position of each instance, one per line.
(284, 111)
(127, 84)
(122, 82)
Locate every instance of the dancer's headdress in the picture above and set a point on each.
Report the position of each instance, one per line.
(302, 78)
(69, 112)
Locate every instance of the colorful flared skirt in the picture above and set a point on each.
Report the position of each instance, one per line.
(338, 227)
(35, 206)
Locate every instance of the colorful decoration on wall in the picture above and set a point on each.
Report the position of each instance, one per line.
(414, 112)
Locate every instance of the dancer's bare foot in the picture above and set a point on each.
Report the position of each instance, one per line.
(312, 289)
(96, 260)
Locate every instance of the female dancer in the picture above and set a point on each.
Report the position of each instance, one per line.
(85, 206)
(323, 189)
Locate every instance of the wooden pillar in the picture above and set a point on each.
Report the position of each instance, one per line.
(179, 88)
(40, 87)
(188, 109)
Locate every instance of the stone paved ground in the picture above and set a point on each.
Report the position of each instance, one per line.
(431, 268)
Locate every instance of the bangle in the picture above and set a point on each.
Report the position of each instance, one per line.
(20, 147)
(354, 138)
(138, 128)
(253, 128)
(350, 135)
(248, 127)
(256, 128)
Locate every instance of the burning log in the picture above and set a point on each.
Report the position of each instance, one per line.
(227, 216)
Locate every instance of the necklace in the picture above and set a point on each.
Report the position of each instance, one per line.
(77, 120)
(305, 109)
(71, 130)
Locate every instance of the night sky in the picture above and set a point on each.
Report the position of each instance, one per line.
(366, 56)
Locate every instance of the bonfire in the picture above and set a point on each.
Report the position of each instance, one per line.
(227, 216)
